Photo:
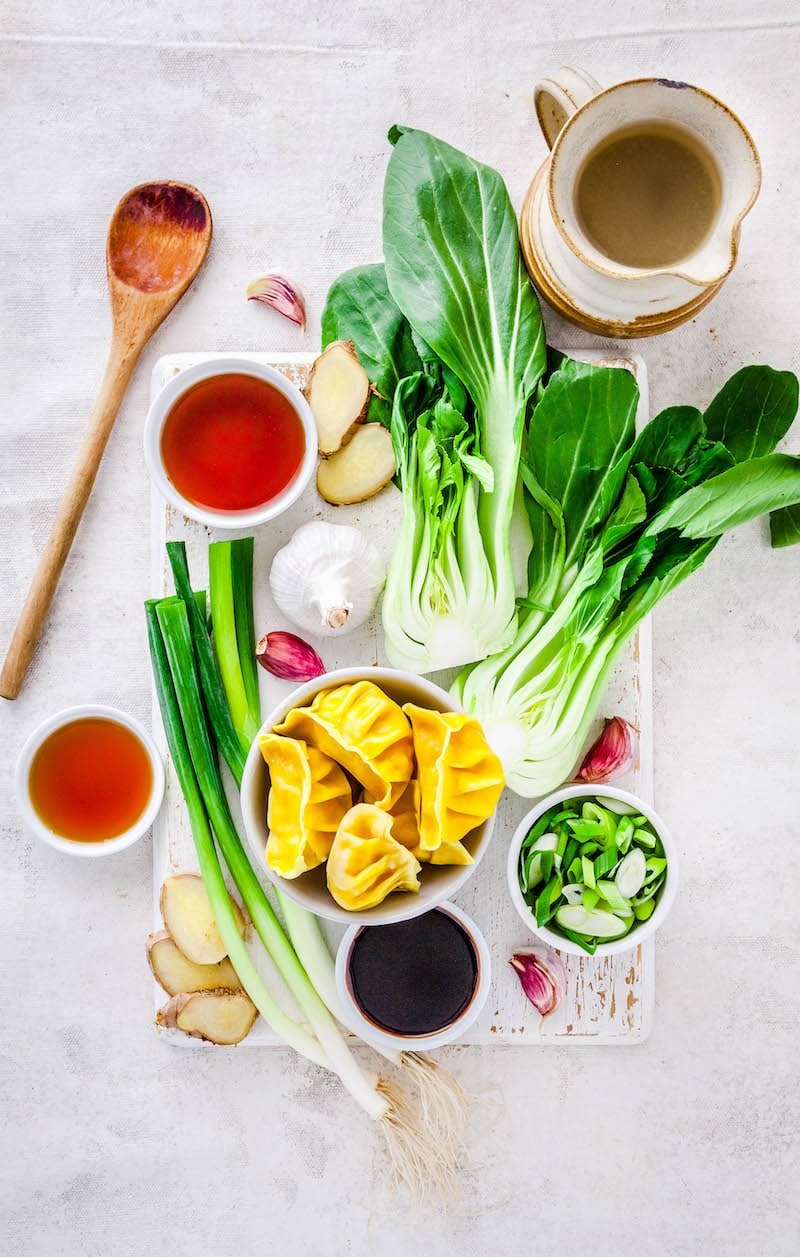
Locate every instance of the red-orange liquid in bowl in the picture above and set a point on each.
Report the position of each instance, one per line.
(232, 442)
(91, 780)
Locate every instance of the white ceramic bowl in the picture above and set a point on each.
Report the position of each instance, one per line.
(437, 882)
(371, 1033)
(640, 932)
(166, 399)
(32, 819)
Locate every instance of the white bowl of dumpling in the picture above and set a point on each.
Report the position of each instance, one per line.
(368, 796)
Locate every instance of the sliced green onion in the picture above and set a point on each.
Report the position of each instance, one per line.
(604, 818)
(650, 892)
(588, 872)
(532, 872)
(573, 893)
(631, 873)
(616, 902)
(588, 944)
(567, 813)
(644, 838)
(625, 832)
(575, 870)
(571, 851)
(655, 867)
(547, 901)
(615, 805)
(538, 829)
(590, 898)
(595, 923)
(583, 830)
(643, 911)
(546, 842)
(606, 862)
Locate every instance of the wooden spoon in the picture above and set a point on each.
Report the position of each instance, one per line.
(157, 240)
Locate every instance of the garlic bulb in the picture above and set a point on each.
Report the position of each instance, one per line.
(327, 579)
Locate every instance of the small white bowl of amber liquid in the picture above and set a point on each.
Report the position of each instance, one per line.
(89, 781)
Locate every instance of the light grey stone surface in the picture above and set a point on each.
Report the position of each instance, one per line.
(112, 1142)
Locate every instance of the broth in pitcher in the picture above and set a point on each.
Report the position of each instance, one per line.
(648, 195)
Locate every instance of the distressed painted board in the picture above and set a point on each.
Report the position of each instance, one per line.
(609, 1001)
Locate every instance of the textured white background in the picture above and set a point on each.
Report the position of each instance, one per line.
(113, 1143)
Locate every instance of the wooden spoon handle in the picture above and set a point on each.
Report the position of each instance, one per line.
(121, 362)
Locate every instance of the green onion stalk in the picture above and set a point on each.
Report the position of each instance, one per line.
(327, 1047)
(424, 1144)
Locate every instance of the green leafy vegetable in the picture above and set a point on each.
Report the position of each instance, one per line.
(637, 532)
(753, 411)
(784, 526)
(451, 333)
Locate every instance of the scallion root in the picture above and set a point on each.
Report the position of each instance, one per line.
(425, 1168)
(443, 1104)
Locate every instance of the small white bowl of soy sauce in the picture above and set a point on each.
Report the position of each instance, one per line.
(414, 985)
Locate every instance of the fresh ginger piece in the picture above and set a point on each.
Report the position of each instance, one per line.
(178, 976)
(338, 392)
(360, 469)
(223, 1017)
(186, 913)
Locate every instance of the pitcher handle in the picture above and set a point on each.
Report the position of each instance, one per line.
(556, 99)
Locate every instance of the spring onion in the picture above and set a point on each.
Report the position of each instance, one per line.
(210, 869)
(424, 1143)
(222, 557)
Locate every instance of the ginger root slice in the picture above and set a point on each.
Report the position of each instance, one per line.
(178, 975)
(187, 916)
(338, 392)
(360, 469)
(223, 1017)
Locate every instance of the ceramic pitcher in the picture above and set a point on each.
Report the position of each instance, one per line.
(576, 114)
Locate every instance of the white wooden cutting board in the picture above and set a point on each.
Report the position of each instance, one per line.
(609, 1000)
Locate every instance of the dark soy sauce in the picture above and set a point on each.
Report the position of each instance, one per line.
(415, 977)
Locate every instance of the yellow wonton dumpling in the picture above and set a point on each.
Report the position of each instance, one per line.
(405, 829)
(460, 778)
(445, 853)
(405, 817)
(364, 731)
(366, 863)
(309, 794)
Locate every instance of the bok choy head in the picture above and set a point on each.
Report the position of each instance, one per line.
(450, 333)
(609, 544)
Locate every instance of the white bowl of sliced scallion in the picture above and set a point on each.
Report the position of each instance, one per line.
(592, 870)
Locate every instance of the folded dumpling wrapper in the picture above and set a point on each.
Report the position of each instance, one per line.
(460, 777)
(365, 731)
(366, 863)
(309, 794)
(405, 828)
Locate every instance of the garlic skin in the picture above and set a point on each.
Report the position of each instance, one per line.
(327, 579)
(542, 976)
(613, 753)
(288, 657)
